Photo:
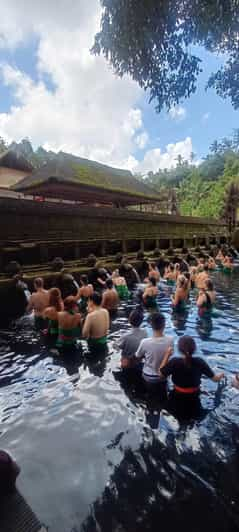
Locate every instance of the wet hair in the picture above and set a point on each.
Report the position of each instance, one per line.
(171, 267)
(96, 298)
(206, 268)
(109, 283)
(153, 281)
(187, 275)
(187, 346)
(136, 317)
(157, 321)
(153, 265)
(55, 298)
(177, 266)
(38, 282)
(69, 303)
(209, 285)
(182, 281)
(84, 279)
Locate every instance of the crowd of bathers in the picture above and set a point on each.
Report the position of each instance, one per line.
(72, 312)
(85, 309)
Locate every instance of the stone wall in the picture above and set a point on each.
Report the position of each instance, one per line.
(33, 232)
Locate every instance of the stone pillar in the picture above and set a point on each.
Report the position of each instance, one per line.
(77, 250)
(124, 246)
(184, 243)
(157, 243)
(142, 244)
(207, 241)
(43, 249)
(103, 248)
(171, 243)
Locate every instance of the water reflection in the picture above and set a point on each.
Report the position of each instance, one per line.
(100, 446)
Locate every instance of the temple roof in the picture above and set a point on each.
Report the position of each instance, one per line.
(62, 175)
(11, 159)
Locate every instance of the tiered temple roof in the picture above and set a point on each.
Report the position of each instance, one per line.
(68, 177)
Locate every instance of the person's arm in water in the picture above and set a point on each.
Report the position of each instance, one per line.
(86, 327)
(30, 305)
(107, 320)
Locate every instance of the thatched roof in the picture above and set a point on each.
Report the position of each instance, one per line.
(11, 159)
(68, 169)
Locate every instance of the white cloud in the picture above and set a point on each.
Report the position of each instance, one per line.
(142, 140)
(155, 159)
(91, 112)
(177, 113)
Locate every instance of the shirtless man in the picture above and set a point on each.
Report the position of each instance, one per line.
(202, 277)
(38, 302)
(110, 299)
(97, 322)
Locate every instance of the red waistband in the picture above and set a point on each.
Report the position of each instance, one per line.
(186, 390)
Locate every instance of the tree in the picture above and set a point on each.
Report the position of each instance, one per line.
(153, 42)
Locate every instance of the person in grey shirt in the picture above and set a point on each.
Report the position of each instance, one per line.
(130, 341)
(153, 351)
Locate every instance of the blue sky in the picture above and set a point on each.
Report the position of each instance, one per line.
(53, 91)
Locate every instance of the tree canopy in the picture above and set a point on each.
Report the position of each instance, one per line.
(206, 189)
(155, 42)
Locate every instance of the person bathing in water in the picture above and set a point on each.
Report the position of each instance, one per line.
(38, 302)
(206, 298)
(150, 293)
(202, 277)
(51, 313)
(69, 324)
(129, 342)
(97, 322)
(186, 371)
(153, 351)
(180, 298)
(85, 291)
(111, 298)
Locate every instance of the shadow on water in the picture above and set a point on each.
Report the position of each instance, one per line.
(106, 455)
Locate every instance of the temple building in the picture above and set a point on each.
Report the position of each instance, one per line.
(71, 207)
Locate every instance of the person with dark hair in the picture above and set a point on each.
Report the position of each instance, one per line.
(83, 294)
(97, 322)
(69, 323)
(9, 471)
(184, 266)
(110, 299)
(206, 298)
(186, 371)
(153, 351)
(150, 293)
(51, 313)
(38, 302)
(153, 271)
(129, 342)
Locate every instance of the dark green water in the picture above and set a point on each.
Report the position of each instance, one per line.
(97, 456)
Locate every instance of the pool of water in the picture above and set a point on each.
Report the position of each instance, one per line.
(97, 456)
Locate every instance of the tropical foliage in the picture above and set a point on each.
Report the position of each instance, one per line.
(156, 42)
(202, 190)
